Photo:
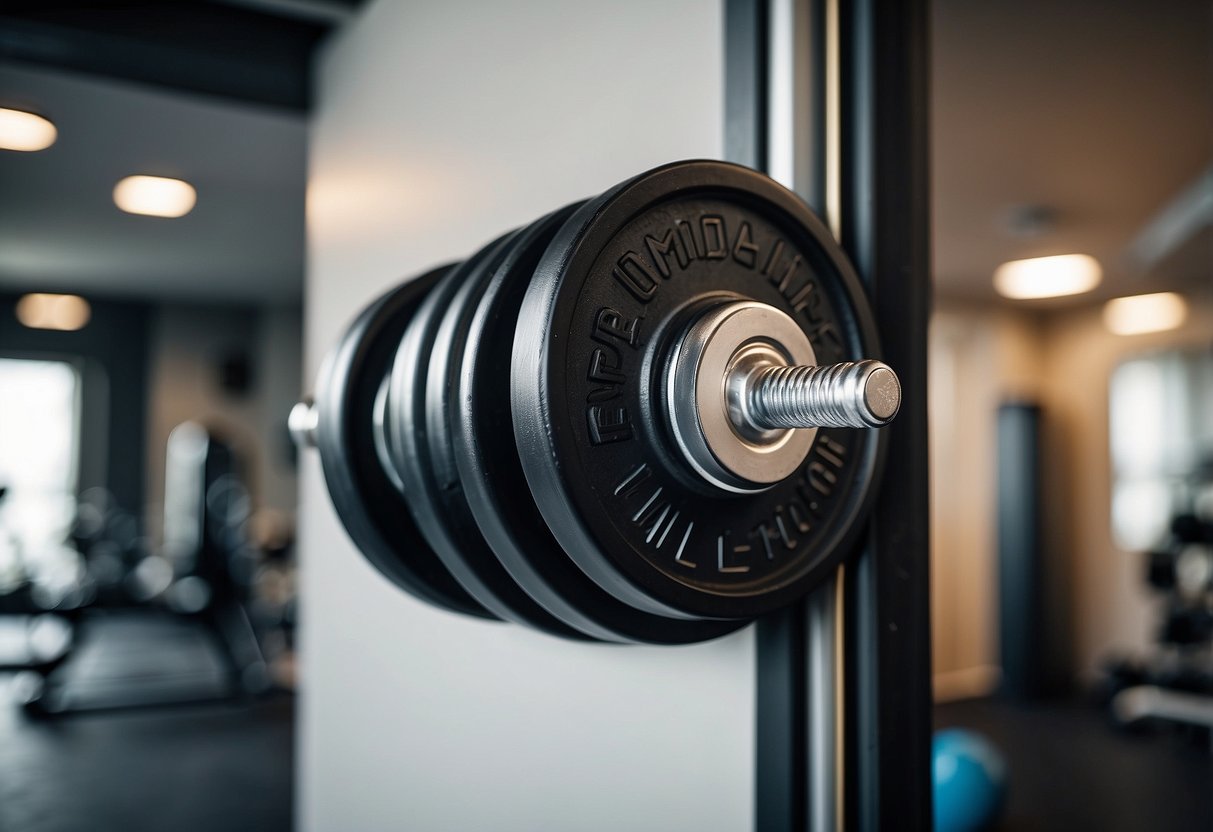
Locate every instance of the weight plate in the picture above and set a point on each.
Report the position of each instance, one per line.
(491, 473)
(372, 510)
(430, 401)
(588, 361)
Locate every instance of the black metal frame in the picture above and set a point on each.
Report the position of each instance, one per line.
(884, 218)
(746, 39)
(886, 231)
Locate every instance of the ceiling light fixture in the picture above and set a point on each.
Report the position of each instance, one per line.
(65, 313)
(24, 131)
(155, 196)
(1047, 277)
(1139, 314)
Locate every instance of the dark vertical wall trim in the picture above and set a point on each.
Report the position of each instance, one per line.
(111, 353)
(885, 224)
(746, 33)
(1021, 590)
(781, 733)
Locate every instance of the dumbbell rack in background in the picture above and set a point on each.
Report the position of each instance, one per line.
(644, 418)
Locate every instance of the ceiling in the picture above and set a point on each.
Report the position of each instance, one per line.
(211, 91)
(252, 50)
(60, 229)
(1100, 110)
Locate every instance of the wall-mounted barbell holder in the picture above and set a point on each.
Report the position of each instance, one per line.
(648, 417)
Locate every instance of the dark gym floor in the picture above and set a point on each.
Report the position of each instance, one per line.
(1071, 770)
(229, 766)
(200, 767)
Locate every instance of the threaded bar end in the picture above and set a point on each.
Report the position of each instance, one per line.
(853, 394)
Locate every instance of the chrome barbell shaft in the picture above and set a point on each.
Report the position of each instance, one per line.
(302, 424)
(853, 394)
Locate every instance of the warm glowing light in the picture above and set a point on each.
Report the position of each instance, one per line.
(155, 196)
(1145, 313)
(62, 312)
(20, 130)
(1047, 277)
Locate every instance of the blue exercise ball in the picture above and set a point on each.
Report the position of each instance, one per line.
(968, 777)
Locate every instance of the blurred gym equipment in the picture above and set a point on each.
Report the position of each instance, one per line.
(969, 781)
(217, 572)
(1175, 682)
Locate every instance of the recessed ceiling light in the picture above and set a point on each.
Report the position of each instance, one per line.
(20, 130)
(155, 196)
(1139, 314)
(46, 311)
(1047, 277)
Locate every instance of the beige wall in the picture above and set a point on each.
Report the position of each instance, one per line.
(980, 357)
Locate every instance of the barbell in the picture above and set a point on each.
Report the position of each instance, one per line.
(652, 416)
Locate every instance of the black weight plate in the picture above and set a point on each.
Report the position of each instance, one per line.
(407, 431)
(383, 442)
(474, 567)
(370, 507)
(491, 472)
(450, 525)
(586, 376)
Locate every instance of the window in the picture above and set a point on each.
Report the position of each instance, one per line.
(1162, 444)
(39, 448)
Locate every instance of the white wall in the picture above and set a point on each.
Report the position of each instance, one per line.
(438, 126)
